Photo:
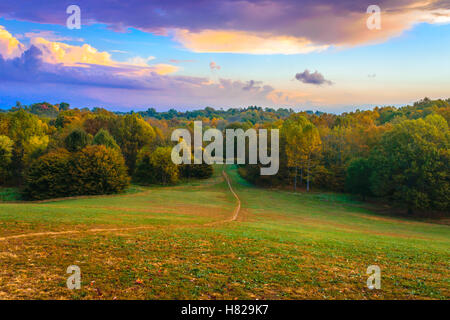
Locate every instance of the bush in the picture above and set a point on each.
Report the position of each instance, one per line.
(48, 176)
(156, 167)
(98, 170)
(93, 170)
(199, 171)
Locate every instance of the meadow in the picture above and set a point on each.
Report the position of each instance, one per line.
(181, 242)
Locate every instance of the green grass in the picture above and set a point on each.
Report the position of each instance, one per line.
(10, 194)
(284, 245)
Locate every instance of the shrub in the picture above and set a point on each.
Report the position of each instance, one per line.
(199, 171)
(93, 170)
(156, 167)
(48, 176)
(98, 170)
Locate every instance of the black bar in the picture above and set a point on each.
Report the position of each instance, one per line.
(231, 309)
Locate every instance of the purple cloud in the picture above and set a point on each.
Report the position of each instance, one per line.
(252, 85)
(320, 21)
(315, 78)
(29, 77)
(29, 67)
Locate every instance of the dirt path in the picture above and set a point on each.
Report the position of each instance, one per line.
(55, 233)
(238, 207)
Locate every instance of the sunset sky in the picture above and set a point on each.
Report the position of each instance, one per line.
(312, 54)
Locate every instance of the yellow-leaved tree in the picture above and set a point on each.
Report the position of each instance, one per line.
(302, 141)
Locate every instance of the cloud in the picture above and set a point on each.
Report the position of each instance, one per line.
(30, 67)
(49, 35)
(29, 79)
(219, 41)
(85, 56)
(252, 85)
(70, 55)
(256, 27)
(286, 97)
(139, 61)
(177, 61)
(315, 78)
(142, 70)
(120, 85)
(163, 68)
(10, 47)
(214, 66)
(23, 68)
(119, 51)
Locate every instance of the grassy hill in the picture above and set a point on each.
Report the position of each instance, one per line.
(178, 243)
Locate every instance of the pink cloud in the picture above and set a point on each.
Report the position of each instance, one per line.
(297, 26)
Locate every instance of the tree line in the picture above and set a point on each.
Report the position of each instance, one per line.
(398, 155)
(80, 152)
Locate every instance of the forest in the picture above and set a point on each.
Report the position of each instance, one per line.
(398, 156)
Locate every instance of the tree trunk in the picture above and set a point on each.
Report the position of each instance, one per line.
(301, 176)
(307, 179)
(410, 210)
(295, 180)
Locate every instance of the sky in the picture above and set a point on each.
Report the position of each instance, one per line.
(326, 55)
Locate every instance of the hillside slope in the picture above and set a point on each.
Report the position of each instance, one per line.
(179, 243)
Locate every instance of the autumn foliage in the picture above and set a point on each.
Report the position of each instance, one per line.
(398, 156)
(90, 171)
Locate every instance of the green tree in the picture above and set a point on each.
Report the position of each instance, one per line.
(6, 147)
(23, 126)
(48, 176)
(33, 148)
(132, 133)
(100, 119)
(301, 142)
(77, 140)
(291, 135)
(90, 171)
(198, 171)
(98, 170)
(4, 123)
(64, 106)
(412, 164)
(358, 177)
(156, 167)
(104, 138)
